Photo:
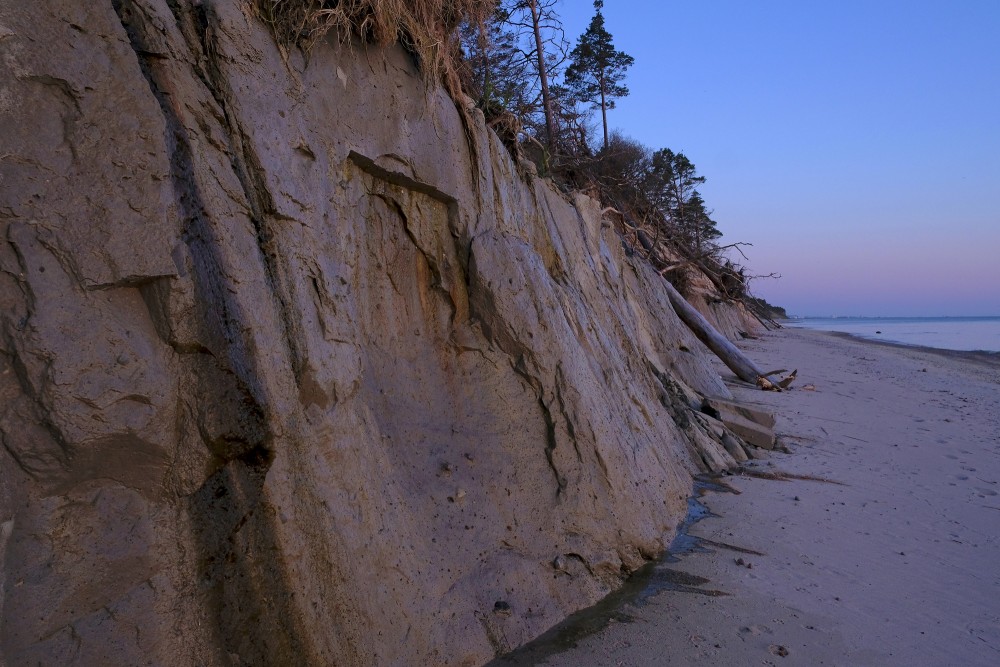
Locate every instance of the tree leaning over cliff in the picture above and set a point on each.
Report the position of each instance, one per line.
(512, 60)
(539, 12)
(500, 71)
(596, 68)
(670, 184)
(698, 228)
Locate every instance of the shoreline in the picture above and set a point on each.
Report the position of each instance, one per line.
(984, 356)
(891, 556)
(987, 356)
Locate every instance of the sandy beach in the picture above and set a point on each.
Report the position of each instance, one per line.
(891, 556)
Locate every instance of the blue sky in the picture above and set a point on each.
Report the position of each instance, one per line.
(856, 145)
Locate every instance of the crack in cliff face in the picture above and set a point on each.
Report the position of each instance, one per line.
(483, 309)
(551, 394)
(672, 398)
(401, 193)
(550, 445)
(39, 403)
(560, 381)
(436, 278)
(32, 465)
(232, 524)
(369, 165)
(195, 24)
(71, 99)
(223, 323)
(199, 26)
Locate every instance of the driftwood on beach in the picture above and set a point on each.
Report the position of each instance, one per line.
(737, 362)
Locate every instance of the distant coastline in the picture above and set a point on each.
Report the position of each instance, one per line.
(975, 334)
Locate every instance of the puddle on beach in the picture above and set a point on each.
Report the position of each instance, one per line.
(649, 580)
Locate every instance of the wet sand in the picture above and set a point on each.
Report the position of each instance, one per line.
(894, 560)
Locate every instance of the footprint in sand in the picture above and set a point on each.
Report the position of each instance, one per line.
(756, 630)
(986, 492)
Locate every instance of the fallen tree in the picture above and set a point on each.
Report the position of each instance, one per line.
(737, 362)
(744, 368)
(723, 348)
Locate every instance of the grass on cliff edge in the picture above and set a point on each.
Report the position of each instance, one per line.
(424, 27)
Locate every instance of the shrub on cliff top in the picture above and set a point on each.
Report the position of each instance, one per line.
(424, 27)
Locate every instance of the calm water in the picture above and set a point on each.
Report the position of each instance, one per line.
(949, 333)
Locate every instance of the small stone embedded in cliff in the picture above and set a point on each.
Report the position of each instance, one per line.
(298, 367)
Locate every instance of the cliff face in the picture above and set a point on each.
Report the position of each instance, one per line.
(295, 367)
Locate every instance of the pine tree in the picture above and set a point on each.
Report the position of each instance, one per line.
(596, 68)
(670, 185)
(698, 227)
(499, 71)
(514, 61)
(536, 22)
(671, 179)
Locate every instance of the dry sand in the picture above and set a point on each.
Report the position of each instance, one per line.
(896, 564)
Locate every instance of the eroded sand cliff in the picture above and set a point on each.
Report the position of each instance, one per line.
(296, 367)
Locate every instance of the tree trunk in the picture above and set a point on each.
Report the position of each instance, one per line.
(604, 113)
(542, 76)
(737, 362)
(681, 222)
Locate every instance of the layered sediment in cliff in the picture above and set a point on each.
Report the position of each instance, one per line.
(296, 367)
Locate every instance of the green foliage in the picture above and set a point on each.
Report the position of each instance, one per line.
(622, 169)
(596, 68)
(512, 62)
(696, 225)
(671, 185)
(659, 189)
(760, 306)
(499, 73)
(671, 179)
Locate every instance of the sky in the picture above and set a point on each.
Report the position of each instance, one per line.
(855, 145)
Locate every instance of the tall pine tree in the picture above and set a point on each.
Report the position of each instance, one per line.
(597, 69)
(499, 72)
(697, 226)
(671, 184)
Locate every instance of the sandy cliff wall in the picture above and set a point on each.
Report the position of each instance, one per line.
(295, 368)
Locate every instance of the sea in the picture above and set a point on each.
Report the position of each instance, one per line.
(948, 333)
